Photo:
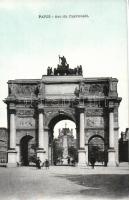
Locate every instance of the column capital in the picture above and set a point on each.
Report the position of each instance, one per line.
(111, 106)
(81, 108)
(46, 128)
(12, 108)
(40, 108)
(111, 109)
(12, 111)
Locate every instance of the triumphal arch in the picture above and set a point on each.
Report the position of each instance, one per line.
(34, 106)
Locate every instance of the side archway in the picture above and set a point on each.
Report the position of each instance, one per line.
(97, 149)
(27, 149)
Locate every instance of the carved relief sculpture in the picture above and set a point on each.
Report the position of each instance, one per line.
(95, 122)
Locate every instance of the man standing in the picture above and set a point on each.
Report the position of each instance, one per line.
(92, 159)
(47, 164)
(38, 161)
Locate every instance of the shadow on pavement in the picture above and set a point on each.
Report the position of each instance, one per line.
(102, 185)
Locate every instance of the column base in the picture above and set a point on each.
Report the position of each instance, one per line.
(40, 153)
(111, 158)
(82, 158)
(12, 158)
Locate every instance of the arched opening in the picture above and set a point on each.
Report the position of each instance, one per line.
(62, 140)
(27, 149)
(97, 149)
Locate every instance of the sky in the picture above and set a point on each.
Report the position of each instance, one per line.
(98, 42)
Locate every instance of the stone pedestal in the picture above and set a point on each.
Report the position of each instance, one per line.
(12, 158)
(41, 154)
(81, 157)
(111, 158)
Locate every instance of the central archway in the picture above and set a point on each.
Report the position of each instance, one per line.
(54, 140)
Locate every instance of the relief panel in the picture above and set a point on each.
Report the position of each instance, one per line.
(22, 90)
(92, 122)
(93, 89)
(25, 123)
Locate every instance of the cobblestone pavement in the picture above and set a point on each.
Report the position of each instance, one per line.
(29, 183)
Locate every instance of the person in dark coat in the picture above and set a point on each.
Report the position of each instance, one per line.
(68, 160)
(47, 164)
(92, 160)
(38, 161)
(73, 162)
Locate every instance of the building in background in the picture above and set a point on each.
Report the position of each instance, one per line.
(65, 141)
(68, 133)
(124, 146)
(3, 145)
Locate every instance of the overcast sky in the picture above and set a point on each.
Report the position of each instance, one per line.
(98, 42)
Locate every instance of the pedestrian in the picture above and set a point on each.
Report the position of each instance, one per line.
(47, 164)
(38, 161)
(68, 160)
(92, 160)
(73, 162)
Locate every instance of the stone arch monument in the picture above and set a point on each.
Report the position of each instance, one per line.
(34, 106)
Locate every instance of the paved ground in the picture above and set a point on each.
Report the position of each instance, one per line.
(29, 183)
